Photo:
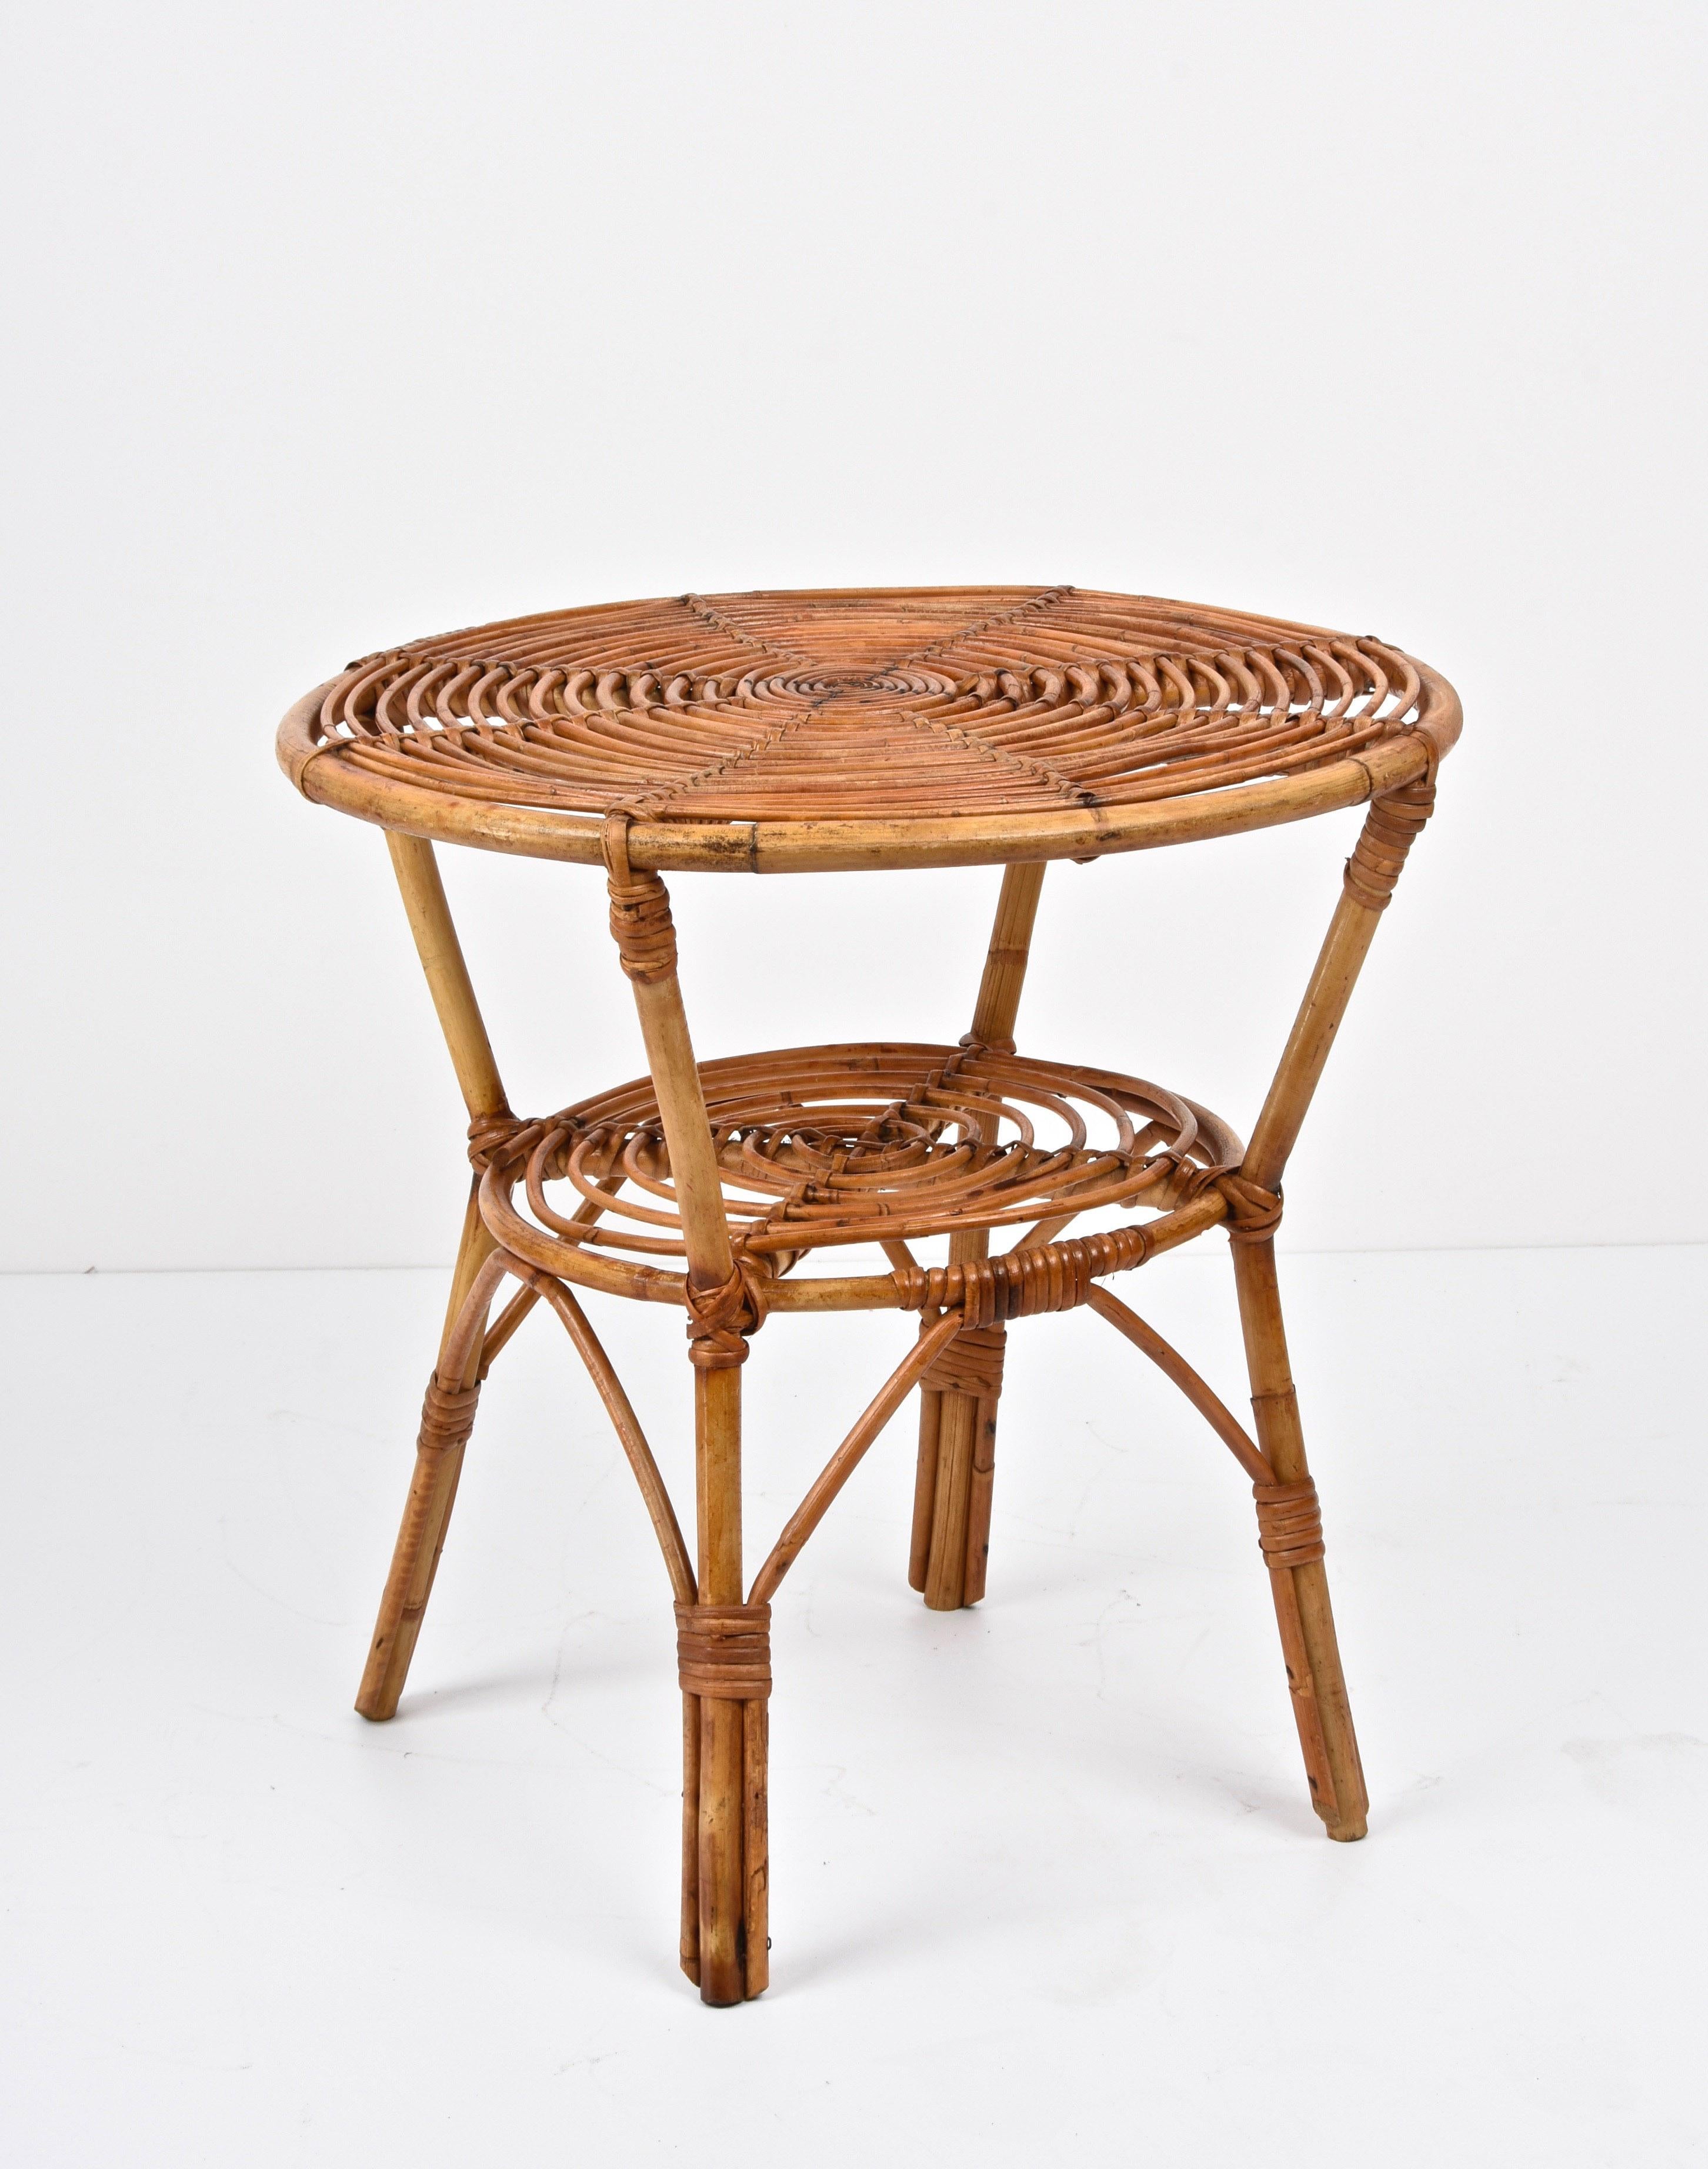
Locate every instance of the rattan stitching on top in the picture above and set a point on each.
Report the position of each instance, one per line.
(1015, 702)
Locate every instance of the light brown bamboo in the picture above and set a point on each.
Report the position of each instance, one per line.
(755, 1847)
(1173, 1366)
(829, 846)
(432, 1491)
(505, 1326)
(448, 982)
(731, 1878)
(925, 1489)
(474, 1246)
(718, 1483)
(687, 1133)
(953, 1493)
(690, 1940)
(1347, 944)
(849, 1455)
(724, 1777)
(433, 1487)
(1303, 1611)
(630, 1436)
(980, 1488)
(722, 1876)
(951, 1485)
(998, 1006)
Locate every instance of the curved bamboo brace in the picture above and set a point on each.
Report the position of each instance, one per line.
(632, 1439)
(502, 1330)
(1317, 1690)
(848, 1456)
(1173, 1366)
(463, 1339)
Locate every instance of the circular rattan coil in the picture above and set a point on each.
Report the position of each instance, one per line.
(969, 705)
(828, 1146)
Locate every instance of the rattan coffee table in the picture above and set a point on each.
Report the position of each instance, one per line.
(778, 733)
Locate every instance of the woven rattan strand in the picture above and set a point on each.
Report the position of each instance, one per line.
(770, 731)
(969, 1186)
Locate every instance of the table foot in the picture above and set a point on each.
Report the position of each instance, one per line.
(447, 1418)
(724, 1650)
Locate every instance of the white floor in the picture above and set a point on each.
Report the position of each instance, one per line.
(1045, 1887)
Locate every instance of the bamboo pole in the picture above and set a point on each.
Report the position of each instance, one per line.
(1303, 1611)
(438, 1462)
(849, 1455)
(632, 1439)
(688, 1949)
(925, 1489)
(755, 1846)
(1302, 1608)
(432, 1494)
(1175, 1368)
(957, 1431)
(1339, 961)
(730, 1872)
(981, 1484)
(687, 1133)
(952, 1490)
(722, 1878)
(998, 1006)
(448, 982)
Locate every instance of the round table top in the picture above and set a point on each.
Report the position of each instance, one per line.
(778, 732)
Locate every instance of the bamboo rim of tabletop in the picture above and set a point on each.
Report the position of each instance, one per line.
(492, 728)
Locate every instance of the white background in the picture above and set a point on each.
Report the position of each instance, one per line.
(335, 325)
(332, 325)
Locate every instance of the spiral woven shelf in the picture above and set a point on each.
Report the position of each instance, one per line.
(733, 719)
(825, 1146)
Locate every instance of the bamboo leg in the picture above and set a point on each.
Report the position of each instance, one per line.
(979, 1497)
(439, 1454)
(432, 1488)
(957, 1431)
(1390, 827)
(724, 1883)
(925, 1489)
(1302, 1608)
(731, 1771)
(448, 982)
(951, 1486)
(999, 988)
(690, 1838)
(755, 1846)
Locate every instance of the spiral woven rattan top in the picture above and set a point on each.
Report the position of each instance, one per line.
(897, 726)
